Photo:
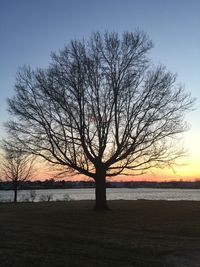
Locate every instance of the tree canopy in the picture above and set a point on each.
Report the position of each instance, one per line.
(101, 108)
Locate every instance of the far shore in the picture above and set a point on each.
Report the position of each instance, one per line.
(62, 184)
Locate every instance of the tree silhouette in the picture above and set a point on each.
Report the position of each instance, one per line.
(16, 166)
(101, 109)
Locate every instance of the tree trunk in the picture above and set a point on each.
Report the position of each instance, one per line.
(15, 195)
(100, 191)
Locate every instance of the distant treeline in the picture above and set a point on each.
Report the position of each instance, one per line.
(53, 184)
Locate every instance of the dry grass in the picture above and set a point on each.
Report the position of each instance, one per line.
(134, 233)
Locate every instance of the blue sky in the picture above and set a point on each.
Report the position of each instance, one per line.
(30, 30)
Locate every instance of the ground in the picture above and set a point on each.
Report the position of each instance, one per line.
(135, 233)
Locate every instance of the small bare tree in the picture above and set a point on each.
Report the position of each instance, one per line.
(101, 109)
(16, 166)
(32, 195)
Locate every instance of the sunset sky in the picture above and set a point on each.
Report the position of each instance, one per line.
(30, 30)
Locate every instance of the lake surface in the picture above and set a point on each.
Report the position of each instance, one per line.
(112, 194)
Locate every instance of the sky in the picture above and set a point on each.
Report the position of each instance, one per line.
(31, 30)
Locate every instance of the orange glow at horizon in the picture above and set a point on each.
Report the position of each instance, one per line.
(189, 169)
(183, 173)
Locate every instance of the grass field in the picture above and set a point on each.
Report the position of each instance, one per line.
(134, 233)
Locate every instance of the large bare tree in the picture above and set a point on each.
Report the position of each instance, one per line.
(16, 166)
(101, 109)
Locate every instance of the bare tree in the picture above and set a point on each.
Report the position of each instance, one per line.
(101, 109)
(16, 166)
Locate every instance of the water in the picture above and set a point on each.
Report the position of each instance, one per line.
(112, 194)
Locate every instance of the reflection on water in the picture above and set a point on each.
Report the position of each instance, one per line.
(112, 194)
